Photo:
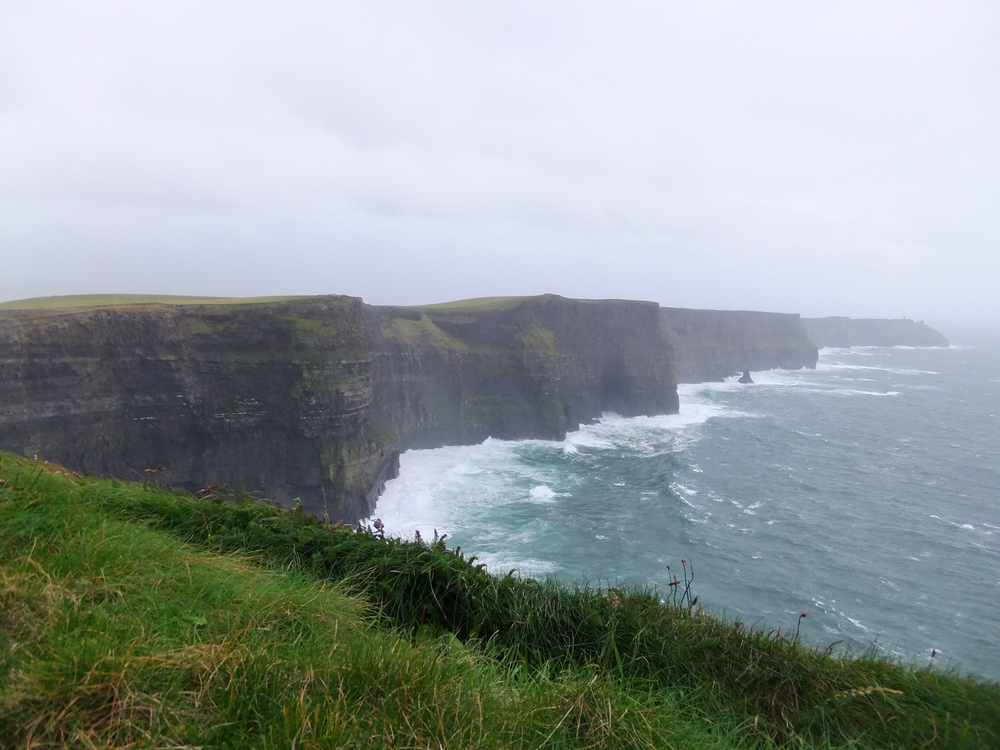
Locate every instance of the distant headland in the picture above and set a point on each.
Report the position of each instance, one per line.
(846, 332)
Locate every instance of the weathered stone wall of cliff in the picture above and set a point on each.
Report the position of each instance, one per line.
(314, 398)
(533, 367)
(845, 332)
(266, 398)
(711, 345)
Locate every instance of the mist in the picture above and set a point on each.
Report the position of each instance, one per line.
(825, 159)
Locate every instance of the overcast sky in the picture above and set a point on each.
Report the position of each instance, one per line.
(816, 157)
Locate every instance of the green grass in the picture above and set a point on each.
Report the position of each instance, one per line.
(87, 301)
(132, 616)
(479, 304)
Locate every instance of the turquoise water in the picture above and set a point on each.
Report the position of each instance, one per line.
(866, 492)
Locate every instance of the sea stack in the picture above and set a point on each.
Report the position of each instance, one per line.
(746, 377)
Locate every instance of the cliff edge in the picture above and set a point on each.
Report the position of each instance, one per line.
(314, 398)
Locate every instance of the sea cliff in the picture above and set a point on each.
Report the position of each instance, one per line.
(312, 399)
(845, 332)
(711, 345)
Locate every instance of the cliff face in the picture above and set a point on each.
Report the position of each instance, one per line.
(269, 398)
(844, 332)
(711, 345)
(314, 398)
(532, 367)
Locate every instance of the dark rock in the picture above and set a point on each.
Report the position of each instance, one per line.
(745, 378)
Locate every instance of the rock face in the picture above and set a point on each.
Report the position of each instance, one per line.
(524, 367)
(711, 345)
(315, 398)
(269, 398)
(845, 332)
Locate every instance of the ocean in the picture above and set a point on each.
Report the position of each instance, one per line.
(865, 492)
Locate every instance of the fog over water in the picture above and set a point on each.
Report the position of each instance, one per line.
(814, 158)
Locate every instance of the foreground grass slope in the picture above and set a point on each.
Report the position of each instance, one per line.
(135, 617)
(117, 635)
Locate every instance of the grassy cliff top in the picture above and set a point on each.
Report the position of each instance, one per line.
(485, 304)
(478, 304)
(90, 301)
(134, 616)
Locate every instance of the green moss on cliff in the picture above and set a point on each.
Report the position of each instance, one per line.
(538, 340)
(379, 433)
(421, 332)
(330, 459)
(207, 325)
(310, 326)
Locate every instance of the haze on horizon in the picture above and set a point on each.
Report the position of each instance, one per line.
(826, 159)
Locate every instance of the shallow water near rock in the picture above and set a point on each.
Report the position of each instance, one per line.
(866, 492)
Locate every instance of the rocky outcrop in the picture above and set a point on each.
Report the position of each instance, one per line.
(846, 332)
(314, 398)
(711, 345)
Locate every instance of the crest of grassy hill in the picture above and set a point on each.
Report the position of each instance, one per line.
(90, 301)
(131, 616)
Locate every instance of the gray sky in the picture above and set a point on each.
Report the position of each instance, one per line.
(814, 157)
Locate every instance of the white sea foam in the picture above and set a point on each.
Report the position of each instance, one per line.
(848, 392)
(689, 504)
(542, 494)
(502, 562)
(680, 488)
(857, 623)
(440, 488)
(585, 438)
(834, 366)
(432, 482)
